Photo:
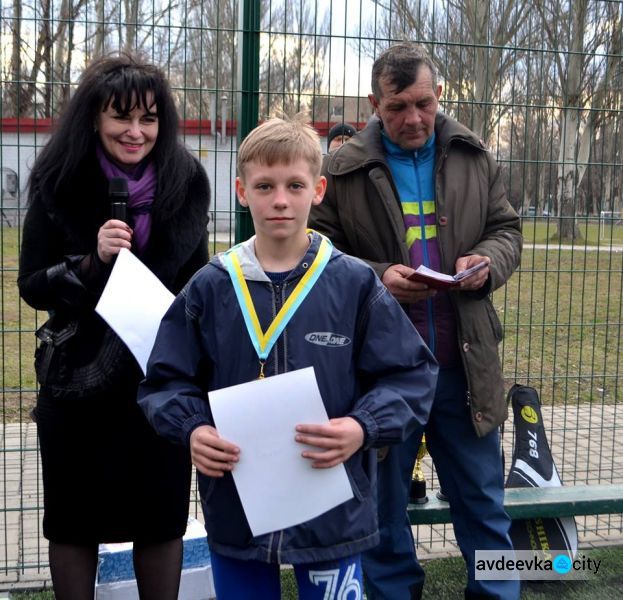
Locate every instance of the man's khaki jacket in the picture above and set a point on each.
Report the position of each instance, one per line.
(361, 214)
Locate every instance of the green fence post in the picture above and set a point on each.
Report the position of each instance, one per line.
(248, 84)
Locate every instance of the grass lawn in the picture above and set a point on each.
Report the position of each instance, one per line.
(445, 580)
(562, 314)
(18, 340)
(541, 230)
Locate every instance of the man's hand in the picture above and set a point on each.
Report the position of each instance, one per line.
(112, 236)
(337, 441)
(212, 455)
(477, 279)
(401, 288)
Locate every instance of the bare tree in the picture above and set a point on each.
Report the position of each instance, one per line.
(203, 61)
(100, 31)
(63, 48)
(11, 97)
(199, 52)
(19, 99)
(293, 56)
(526, 135)
(293, 48)
(39, 69)
(482, 42)
(43, 45)
(587, 35)
(131, 23)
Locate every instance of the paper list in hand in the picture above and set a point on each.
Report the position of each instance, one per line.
(277, 486)
(133, 304)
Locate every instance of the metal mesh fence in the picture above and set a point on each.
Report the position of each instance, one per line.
(539, 80)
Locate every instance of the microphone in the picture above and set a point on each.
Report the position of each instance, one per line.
(118, 195)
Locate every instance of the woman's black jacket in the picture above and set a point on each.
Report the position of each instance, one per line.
(60, 272)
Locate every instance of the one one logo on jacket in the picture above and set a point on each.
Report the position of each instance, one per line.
(327, 338)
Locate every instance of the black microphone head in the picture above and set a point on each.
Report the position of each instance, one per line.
(118, 189)
(118, 196)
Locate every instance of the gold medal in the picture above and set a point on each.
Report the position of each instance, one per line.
(418, 482)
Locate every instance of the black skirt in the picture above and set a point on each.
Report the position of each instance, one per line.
(107, 476)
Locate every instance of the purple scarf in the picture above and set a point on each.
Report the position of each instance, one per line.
(142, 189)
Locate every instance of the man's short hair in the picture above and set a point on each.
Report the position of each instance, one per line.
(281, 141)
(399, 65)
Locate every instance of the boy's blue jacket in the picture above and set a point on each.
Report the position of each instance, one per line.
(369, 360)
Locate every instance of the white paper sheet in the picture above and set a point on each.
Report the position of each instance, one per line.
(277, 486)
(133, 304)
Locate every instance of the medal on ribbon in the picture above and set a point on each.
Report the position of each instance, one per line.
(263, 342)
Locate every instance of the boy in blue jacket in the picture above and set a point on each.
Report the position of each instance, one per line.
(377, 383)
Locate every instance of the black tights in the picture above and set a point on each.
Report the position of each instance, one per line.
(158, 569)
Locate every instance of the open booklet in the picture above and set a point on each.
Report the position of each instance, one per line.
(438, 280)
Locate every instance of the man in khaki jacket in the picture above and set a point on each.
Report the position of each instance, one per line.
(416, 187)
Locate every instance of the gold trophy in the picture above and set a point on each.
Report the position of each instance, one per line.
(417, 493)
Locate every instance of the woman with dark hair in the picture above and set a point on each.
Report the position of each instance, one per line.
(107, 476)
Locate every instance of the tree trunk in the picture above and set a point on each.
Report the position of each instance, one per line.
(567, 176)
(131, 15)
(477, 16)
(60, 54)
(570, 124)
(13, 93)
(100, 32)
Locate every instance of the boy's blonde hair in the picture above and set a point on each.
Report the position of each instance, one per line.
(281, 141)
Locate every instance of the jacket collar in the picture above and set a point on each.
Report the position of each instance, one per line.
(395, 151)
(251, 268)
(448, 130)
(367, 148)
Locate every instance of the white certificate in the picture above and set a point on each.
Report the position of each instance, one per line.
(133, 304)
(277, 486)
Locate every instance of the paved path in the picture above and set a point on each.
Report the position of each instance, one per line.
(584, 442)
(579, 247)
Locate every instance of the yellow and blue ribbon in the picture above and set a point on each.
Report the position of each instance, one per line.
(264, 341)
